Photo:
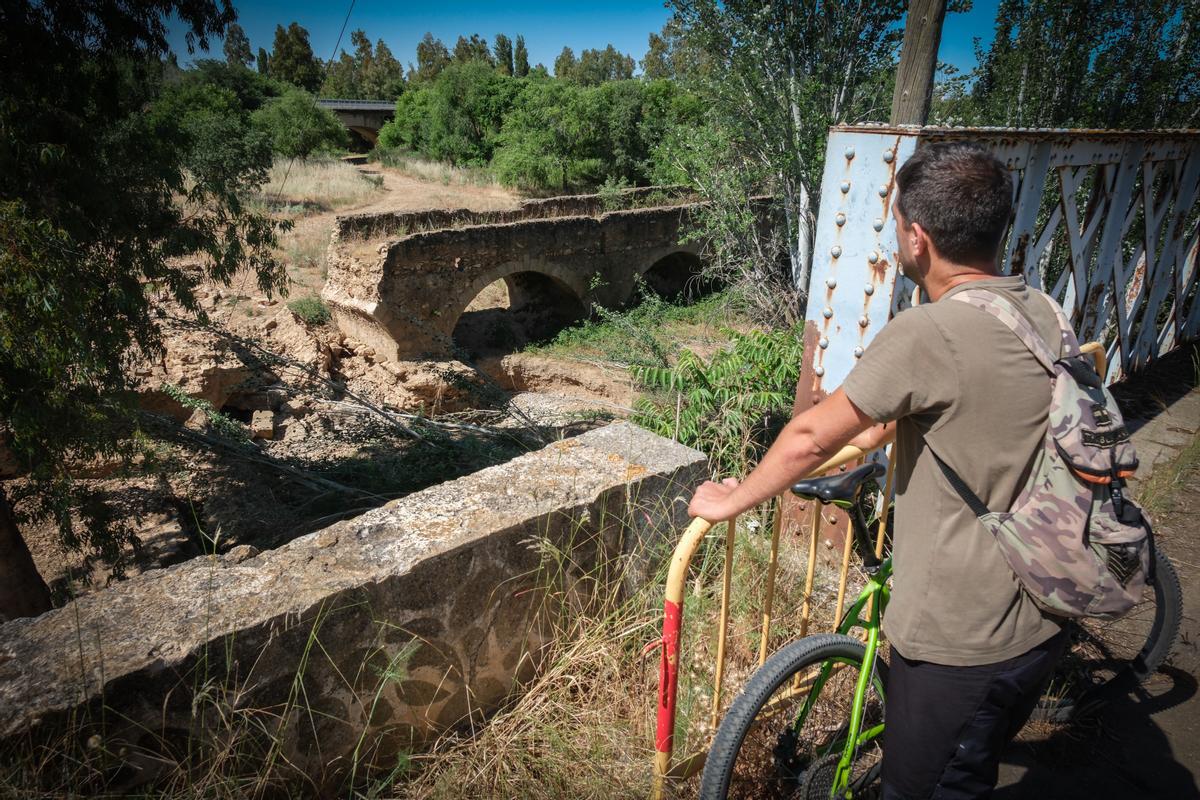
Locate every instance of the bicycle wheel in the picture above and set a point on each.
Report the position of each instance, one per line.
(763, 749)
(1128, 649)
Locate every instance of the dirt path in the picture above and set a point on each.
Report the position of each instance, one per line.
(403, 192)
(1146, 745)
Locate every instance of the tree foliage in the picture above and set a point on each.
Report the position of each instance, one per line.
(292, 58)
(372, 73)
(297, 127)
(520, 58)
(730, 406)
(593, 67)
(473, 49)
(1084, 63)
(237, 47)
(503, 49)
(105, 182)
(432, 58)
(775, 76)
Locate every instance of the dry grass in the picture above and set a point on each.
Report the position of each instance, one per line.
(436, 171)
(584, 727)
(300, 187)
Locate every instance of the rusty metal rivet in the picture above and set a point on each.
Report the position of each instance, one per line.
(873, 256)
(849, 153)
(863, 321)
(823, 342)
(827, 312)
(883, 190)
(819, 371)
(877, 224)
(858, 351)
(869, 290)
(845, 187)
(888, 155)
(832, 518)
(831, 283)
(835, 251)
(840, 219)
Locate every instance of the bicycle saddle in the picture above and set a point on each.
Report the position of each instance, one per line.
(838, 487)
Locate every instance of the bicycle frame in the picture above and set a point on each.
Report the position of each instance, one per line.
(855, 738)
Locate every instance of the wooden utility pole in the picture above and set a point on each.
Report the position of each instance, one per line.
(918, 61)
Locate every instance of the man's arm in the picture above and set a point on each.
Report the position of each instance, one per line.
(804, 444)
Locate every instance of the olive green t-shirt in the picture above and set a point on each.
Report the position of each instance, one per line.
(958, 381)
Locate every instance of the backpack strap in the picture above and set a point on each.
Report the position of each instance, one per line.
(1003, 309)
(977, 506)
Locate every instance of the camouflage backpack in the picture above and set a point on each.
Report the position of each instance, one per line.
(1078, 546)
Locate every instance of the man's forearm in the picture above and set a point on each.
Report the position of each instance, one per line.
(794, 454)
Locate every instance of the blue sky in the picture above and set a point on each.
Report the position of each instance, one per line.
(547, 26)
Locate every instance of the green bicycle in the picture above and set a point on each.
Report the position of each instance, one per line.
(809, 723)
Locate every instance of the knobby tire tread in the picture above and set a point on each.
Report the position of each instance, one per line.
(718, 767)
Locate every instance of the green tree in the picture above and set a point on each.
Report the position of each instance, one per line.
(103, 188)
(466, 109)
(372, 73)
(504, 54)
(597, 66)
(520, 58)
(407, 128)
(1086, 63)
(251, 89)
(264, 62)
(237, 47)
(297, 127)
(432, 58)
(384, 79)
(566, 65)
(292, 58)
(775, 77)
(544, 141)
(669, 54)
(473, 49)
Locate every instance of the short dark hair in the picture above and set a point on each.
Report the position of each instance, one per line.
(961, 195)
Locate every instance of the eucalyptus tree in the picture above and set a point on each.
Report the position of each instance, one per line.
(105, 183)
(776, 75)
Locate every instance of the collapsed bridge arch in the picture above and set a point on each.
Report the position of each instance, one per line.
(405, 296)
(515, 308)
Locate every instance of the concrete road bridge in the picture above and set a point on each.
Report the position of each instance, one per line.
(364, 117)
(400, 282)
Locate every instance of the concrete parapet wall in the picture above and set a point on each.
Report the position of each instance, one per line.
(368, 636)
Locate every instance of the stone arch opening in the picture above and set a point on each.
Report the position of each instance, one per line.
(516, 310)
(676, 277)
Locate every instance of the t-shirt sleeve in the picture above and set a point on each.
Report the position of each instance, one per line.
(907, 369)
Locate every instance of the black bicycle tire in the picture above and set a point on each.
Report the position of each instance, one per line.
(1168, 615)
(722, 755)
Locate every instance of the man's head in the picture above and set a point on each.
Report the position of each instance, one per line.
(951, 208)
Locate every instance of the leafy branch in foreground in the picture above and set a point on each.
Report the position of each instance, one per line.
(731, 406)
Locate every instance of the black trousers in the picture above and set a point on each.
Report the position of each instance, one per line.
(946, 727)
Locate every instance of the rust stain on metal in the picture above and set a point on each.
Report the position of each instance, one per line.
(879, 270)
(1018, 256)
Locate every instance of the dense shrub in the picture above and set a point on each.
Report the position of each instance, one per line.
(298, 127)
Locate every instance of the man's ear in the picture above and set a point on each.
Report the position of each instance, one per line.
(918, 239)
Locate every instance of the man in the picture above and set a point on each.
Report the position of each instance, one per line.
(970, 652)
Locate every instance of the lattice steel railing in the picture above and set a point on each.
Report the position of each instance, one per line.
(1105, 221)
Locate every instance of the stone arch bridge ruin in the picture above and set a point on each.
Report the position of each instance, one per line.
(400, 282)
